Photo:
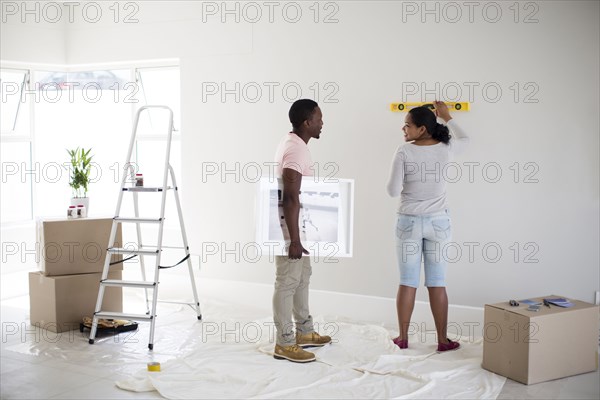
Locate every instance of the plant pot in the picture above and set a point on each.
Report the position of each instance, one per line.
(75, 201)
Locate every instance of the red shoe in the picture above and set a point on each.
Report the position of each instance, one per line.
(403, 344)
(447, 346)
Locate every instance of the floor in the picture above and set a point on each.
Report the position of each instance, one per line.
(34, 362)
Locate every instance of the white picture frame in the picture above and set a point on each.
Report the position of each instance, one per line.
(326, 219)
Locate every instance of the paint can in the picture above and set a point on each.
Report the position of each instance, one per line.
(154, 366)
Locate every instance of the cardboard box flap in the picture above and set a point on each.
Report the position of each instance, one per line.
(75, 246)
(521, 309)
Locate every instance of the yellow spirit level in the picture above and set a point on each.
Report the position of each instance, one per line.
(405, 107)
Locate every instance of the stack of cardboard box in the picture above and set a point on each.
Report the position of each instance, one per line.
(70, 255)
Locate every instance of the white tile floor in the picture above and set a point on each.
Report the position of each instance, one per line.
(38, 376)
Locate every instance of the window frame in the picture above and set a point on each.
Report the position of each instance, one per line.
(23, 136)
(24, 85)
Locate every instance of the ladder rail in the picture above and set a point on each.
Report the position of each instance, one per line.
(161, 225)
(185, 242)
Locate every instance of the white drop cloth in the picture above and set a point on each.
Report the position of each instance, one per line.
(363, 363)
(228, 355)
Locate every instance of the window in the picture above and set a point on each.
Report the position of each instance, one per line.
(90, 108)
(83, 80)
(80, 109)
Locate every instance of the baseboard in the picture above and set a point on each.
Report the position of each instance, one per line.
(463, 321)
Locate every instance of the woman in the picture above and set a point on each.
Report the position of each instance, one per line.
(423, 227)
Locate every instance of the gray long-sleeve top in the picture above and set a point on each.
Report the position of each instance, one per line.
(419, 173)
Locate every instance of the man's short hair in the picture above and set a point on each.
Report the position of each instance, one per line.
(301, 110)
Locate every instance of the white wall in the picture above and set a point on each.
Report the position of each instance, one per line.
(369, 55)
(36, 37)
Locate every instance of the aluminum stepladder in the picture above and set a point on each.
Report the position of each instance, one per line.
(141, 251)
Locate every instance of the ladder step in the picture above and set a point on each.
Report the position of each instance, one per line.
(137, 284)
(113, 315)
(118, 250)
(145, 189)
(139, 220)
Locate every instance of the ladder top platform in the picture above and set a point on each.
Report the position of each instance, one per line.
(145, 189)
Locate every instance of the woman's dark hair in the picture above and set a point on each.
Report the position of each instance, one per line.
(423, 116)
(301, 110)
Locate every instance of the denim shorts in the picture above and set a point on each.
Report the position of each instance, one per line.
(423, 237)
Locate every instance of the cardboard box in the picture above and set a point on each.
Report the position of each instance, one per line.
(59, 303)
(532, 347)
(74, 246)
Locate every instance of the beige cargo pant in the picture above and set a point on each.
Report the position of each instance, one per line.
(291, 298)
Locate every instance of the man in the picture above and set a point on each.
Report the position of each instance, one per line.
(293, 272)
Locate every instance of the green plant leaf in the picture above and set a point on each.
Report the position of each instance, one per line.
(81, 170)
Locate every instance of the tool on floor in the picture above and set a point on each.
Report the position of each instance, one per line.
(114, 326)
(142, 250)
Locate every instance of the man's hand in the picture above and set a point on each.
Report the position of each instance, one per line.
(292, 180)
(295, 251)
(441, 111)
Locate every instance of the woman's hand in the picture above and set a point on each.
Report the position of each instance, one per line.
(441, 111)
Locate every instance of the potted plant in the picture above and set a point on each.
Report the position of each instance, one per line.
(80, 176)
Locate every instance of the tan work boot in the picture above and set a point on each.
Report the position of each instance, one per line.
(293, 353)
(312, 339)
